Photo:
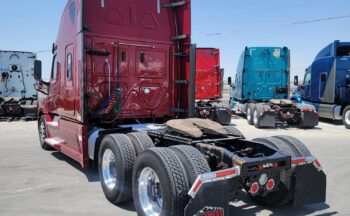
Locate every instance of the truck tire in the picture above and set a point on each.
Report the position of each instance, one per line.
(298, 146)
(141, 142)
(115, 165)
(234, 131)
(282, 196)
(278, 144)
(43, 134)
(160, 183)
(192, 160)
(250, 110)
(256, 115)
(346, 117)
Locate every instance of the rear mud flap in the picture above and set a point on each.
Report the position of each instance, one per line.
(223, 115)
(308, 119)
(268, 119)
(310, 185)
(213, 198)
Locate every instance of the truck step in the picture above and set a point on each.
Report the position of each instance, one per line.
(55, 142)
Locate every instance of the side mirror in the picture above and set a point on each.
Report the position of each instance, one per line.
(229, 81)
(296, 80)
(37, 70)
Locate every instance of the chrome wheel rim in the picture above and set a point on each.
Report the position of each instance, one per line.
(109, 169)
(347, 117)
(150, 192)
(256, 117)
(42, 136)
(249, 114)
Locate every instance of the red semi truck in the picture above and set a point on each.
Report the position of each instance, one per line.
(209, 86)
(121, 92)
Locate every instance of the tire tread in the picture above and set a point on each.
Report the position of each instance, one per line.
(192, 160)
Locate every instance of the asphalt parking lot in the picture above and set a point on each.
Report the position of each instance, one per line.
(35, 182)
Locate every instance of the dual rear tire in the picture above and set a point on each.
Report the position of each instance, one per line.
(115, 165)
(157, 178)
(250, 111)
(289, 146)
(176, 169)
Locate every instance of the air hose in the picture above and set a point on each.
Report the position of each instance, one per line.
(113, 103)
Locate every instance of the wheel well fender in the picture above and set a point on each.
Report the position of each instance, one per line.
(94, 142)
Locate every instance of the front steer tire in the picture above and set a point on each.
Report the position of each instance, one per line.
(43, 134)
(124, 159)
(346, 117)
(172, 178)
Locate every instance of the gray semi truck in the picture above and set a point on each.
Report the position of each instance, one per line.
(18, 96)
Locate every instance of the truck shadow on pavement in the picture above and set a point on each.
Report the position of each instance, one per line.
(91, 173)
(332, 122)
(245, 206)
(279, 126)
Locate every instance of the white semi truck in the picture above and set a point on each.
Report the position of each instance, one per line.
(18, 96)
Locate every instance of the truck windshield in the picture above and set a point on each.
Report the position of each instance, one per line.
(268, 63)
(267, 59)
(343, 51)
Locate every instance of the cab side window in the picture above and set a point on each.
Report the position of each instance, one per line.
(54, 68)
(72, 12)
(69, 67)
(307, 79)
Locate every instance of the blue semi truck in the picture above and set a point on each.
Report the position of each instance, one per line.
(326, 83)
(261, 90)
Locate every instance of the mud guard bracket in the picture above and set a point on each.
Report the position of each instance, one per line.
(213, 197)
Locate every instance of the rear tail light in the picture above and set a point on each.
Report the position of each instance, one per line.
(309, 111)
(254, 188)
(211, 177)
(270, 185)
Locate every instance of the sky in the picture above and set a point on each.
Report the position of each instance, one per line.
(304, 26)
